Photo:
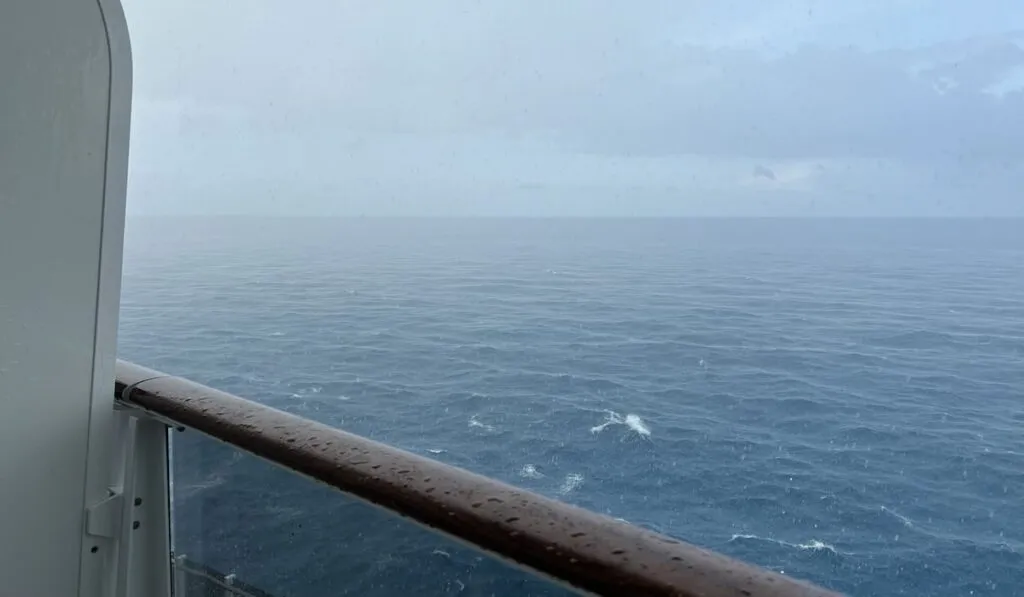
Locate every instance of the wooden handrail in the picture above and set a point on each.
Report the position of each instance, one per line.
(578, 547)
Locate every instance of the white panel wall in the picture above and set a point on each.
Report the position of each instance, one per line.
(63, 164)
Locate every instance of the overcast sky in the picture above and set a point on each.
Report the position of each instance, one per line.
(574, 107)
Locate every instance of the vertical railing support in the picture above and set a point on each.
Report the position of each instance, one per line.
(133, 522)
(150, 512)
(180, 588)
(125, 535)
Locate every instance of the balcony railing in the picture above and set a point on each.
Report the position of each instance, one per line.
(574, 547)
(193, 579)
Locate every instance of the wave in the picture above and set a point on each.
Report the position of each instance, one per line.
(906, 521)
(812, 545)
(530, 471)
(474, 422)
(917, 339)
(573, 481)
(635, 423)
(307, 391)
(185, 492)
(632, 421)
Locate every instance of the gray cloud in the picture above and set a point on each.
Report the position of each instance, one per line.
(816, 102)
(479, 107)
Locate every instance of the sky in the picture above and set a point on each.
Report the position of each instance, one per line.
(578, 108)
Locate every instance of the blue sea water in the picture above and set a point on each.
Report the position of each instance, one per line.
(840, 400)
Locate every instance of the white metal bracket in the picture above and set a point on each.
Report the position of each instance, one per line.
(132, 522)
(104, 519)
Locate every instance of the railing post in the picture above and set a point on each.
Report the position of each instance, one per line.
(150, 512)
(180, 577)
(132, 523)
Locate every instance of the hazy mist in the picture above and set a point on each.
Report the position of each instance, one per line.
(597, 108)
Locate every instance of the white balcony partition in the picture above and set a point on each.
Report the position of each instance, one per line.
(65, 96)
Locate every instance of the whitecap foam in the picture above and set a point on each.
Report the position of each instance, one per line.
(474, 422)
(530, 471)
(435, 450)
(632, 421)
(611, 418)
(307, 391)
(906, 521)
(573, 481)
(194, 489)
(817, 546)
(637, 424)
(812, 545)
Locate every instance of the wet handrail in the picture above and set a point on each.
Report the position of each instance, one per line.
(578, 547)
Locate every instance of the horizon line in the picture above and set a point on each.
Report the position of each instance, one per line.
(571, 217)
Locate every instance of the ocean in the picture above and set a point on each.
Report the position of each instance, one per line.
(839, 400)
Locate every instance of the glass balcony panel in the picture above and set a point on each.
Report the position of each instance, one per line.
(242, 526)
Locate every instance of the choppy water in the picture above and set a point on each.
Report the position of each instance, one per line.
(840, 400)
